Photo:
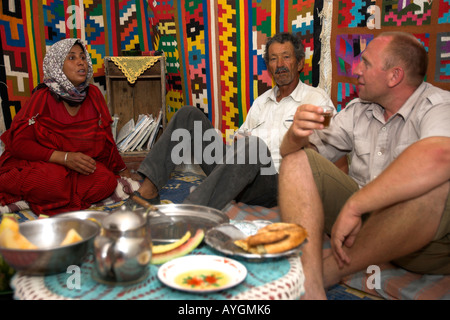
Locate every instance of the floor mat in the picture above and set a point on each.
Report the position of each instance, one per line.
(342, 292)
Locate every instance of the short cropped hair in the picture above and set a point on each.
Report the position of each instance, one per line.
(283, 37)
(406, 51)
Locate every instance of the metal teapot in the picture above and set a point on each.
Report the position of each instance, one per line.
(123, 250)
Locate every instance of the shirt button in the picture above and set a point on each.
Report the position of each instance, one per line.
(384, 128)
(379, 153)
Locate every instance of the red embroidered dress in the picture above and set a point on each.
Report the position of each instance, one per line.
(51, 188)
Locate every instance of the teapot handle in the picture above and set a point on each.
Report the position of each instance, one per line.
(105, 257)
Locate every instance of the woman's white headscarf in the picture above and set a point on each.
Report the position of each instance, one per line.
(54, 76)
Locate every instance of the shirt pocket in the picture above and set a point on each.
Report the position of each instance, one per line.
(288, 121)
(362, 147)
(260, 123)
(361, 153)
(360, 160)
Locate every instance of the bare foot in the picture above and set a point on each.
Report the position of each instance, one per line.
(148, 190)
(135, 176)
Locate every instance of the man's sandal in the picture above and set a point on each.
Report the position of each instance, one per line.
(137, 200)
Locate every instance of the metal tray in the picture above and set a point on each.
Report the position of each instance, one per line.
(222, 237)
(184, 218)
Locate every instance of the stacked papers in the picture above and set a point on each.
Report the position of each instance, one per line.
(140, 136)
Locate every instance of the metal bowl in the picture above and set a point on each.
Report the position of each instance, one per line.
(51, 257)
(84, 215)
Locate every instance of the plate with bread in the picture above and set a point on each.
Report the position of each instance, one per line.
(258, 239)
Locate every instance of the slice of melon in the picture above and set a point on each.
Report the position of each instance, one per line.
(9, 223)
(10, 236)
(14, 240)
(180, 251)
(167, 247)
(71, 237)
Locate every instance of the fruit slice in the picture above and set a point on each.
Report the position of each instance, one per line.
(167, 247)
(11, 238)
(182, 250)
(71, 237)
(96, 221)
(9, 223)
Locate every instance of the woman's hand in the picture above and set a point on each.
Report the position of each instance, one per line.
(79, 162)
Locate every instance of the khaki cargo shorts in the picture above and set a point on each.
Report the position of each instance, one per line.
(335, 187)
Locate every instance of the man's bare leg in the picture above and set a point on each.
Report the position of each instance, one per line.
(392, 233)
(300, 203)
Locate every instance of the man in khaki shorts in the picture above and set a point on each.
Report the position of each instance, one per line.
(393, 205)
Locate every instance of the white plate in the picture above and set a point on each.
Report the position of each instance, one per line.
(201, 273)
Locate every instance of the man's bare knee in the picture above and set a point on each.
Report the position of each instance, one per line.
(293, 162)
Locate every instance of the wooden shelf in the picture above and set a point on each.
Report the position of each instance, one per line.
(133, 159)
(147, 95)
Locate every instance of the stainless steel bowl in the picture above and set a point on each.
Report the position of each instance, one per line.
(51, 257)
(83, 215)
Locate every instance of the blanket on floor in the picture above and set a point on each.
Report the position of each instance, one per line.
(394, 283)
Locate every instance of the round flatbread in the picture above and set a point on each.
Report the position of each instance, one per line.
(274, 238)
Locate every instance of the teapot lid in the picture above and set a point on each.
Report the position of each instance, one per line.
(123, 220)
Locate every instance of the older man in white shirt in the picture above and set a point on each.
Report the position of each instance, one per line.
(235, 172)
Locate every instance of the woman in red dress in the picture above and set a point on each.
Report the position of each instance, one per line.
(60, 154)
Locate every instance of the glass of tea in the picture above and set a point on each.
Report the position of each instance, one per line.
(327, 114)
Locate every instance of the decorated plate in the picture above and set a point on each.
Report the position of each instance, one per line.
(202, 273)
(222, 237)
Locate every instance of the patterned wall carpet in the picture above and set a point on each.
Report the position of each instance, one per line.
(214, 48)
(356, 23)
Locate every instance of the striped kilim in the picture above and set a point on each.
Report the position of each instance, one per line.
(213, 49)
(215, 52)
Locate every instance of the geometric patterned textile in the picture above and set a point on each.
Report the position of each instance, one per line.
(349, 48)
(356, 23)
(28, 27)
(442, 73)
(213, 49)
